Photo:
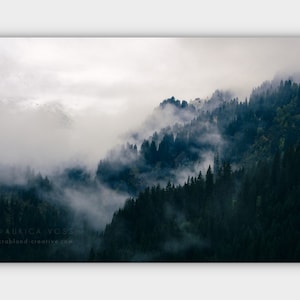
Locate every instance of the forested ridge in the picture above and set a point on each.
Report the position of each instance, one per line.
(242, 215)
(221, 185)
(250, 213)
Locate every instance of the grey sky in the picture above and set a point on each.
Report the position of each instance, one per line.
(112, 72)
(107, 86)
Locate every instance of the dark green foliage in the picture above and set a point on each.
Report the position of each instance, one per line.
(76, 176)
(244, 216)
(37, 225)
(249, 214)
(28, 222)
(176, 103)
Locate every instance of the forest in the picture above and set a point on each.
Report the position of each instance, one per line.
(221, 185)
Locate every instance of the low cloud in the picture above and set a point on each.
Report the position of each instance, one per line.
(47, 137)
(95, 205)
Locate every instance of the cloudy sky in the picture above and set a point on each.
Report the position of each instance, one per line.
(71, 99)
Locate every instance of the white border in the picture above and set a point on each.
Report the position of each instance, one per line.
(150, 281)
(149, 18)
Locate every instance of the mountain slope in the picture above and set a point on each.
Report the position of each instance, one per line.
(237, 216)
(246, 210)
(219, 183)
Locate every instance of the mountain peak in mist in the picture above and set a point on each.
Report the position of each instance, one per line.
(169, 112)
(174, 102)
(215, 100)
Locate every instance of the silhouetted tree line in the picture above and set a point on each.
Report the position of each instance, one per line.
(249, 214)
(243, 131)
(241, 215)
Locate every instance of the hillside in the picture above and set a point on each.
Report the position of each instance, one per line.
(244, 208)
(212, 180)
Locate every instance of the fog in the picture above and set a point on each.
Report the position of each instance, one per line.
(95, 205)
(160, 118)
(67, 100)
(49, 136)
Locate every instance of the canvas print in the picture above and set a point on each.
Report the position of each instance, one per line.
(149, 149)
